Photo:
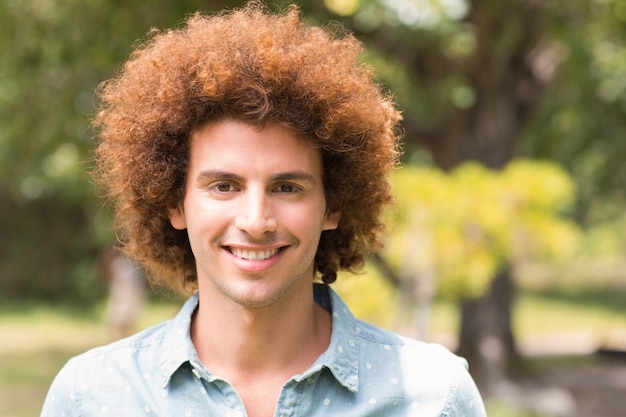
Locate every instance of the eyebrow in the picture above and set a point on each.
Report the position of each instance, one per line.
(210, 174)
(300, 176)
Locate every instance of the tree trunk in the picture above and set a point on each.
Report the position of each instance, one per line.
(486, 338)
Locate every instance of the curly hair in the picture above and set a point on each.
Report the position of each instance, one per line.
(259, 67)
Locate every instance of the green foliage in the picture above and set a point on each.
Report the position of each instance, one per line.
(425, 51)
(580, 122)
(467, 224)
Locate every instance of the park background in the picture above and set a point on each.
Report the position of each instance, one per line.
(508, 242)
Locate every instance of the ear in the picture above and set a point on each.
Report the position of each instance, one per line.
(331, 220)
(177, 217)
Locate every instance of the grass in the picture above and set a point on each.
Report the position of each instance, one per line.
(38, 339)
(548, 312)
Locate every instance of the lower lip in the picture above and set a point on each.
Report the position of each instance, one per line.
(255, 265)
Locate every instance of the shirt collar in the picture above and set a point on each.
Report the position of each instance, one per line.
(341, 357)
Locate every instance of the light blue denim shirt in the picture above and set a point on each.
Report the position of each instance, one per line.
(366, 371)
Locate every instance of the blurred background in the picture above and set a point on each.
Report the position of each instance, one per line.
(508, 242)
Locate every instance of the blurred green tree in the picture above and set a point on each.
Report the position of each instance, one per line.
(519, 216)
(451, 233)
(54, 54)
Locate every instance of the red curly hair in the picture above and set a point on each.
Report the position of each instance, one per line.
(258, 67)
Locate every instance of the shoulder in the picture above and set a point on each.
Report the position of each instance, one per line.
(389, 352)
(135, 348)
(409, 352)
(104, 369)
(423, 378)
(418, 370)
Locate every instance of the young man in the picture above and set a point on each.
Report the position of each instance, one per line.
(247, 154)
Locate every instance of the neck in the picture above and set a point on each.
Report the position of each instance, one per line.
(237, 342)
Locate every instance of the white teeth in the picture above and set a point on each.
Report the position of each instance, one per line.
(253, 255)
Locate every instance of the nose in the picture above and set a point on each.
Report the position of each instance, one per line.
(256, 213)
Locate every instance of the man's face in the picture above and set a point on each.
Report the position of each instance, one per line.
(254, 210)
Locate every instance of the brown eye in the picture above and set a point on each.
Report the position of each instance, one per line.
(288, 188)
(223, 187)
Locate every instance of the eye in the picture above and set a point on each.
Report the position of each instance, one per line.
(223, 187)
(288, 188)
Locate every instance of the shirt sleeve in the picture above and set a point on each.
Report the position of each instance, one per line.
(62, 399)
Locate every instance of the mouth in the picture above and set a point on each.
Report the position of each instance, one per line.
(253, 255)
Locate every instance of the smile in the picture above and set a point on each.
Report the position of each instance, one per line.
(253, 255)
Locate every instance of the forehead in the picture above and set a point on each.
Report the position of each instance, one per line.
(236, 144)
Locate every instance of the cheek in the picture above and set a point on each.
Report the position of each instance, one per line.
(206, 216)
(309, 223)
